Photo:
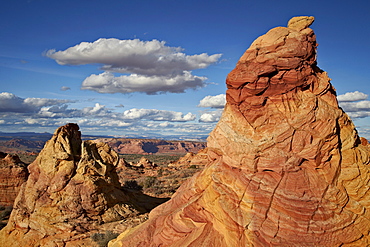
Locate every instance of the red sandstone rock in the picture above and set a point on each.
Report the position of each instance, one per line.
(286, 166)
(13, 173)
(199, 159)
(72, 192)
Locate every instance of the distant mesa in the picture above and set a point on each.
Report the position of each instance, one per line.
(285, 165)
(152, 146)
(34, 142)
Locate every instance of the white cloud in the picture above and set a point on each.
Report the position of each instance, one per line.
(358, 109)
(103, 123)
(108, 83)
(211, 116)
(157, 115)
(12, 103)
(98, 109)
(153, 67)
(352, 96)
(355, 104)
(65, 88)
(132, 56)
(217, 101)
(63, 112)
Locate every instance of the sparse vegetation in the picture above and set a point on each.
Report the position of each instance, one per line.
(27, 158)
(161, 160)
(102, 239)
(132, 185)
(148, 182)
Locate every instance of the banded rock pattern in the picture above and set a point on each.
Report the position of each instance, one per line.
(285, 164)
(13, 173)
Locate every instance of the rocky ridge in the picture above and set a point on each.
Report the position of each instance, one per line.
(285, 164)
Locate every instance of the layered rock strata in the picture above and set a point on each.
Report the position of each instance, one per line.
(285, 164)
(13, 173)
(72, 192)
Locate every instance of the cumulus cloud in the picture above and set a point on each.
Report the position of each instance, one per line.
(352, 96)
(355, 104)
(211, 116)
(12, 103)
(358, 109)
(64, 112)
(217, 101)
(157, 115)
(133, 56)
(108, 83)
(148, 66)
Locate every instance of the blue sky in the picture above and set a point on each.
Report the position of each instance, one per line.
(157, 68)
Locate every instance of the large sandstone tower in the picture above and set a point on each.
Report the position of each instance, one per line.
(286, 166)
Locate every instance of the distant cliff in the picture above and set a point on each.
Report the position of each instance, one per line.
(153, 146)
(34, 144)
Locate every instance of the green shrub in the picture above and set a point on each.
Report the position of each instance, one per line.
(132, 185)
(102, 239)
(149, 182)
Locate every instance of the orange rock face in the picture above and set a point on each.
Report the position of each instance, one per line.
(13, 173)
(72, 192)
(285, 164)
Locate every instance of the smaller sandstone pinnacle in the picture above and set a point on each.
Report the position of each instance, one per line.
(300, 22)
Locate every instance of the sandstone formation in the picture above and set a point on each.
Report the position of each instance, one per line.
(71, 193)
(145, 163)
(148, 146)
(199, 159)
(13, 173)
(285, 164)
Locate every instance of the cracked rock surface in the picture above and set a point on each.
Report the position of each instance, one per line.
(285, 164)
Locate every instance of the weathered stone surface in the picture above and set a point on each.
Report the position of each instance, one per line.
(145, 163)
(286, 166)
(13, 173)
(72, 192)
